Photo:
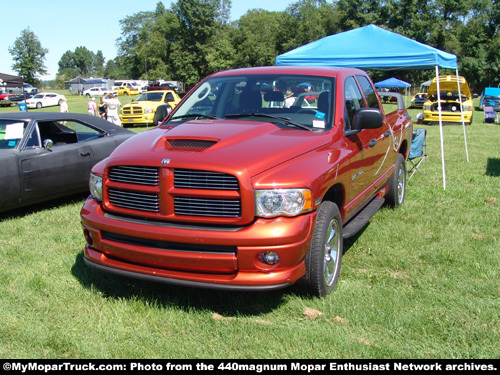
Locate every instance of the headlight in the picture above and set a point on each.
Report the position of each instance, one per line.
(148, 110)
(288, 202)
(95, 186)
(427, 107)
(467, 108)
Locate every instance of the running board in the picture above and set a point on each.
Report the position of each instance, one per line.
(360, 220)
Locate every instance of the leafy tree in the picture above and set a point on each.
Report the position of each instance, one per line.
(135, 32)
(29, 56)
(306, 21)
(254, 38)
(81, 62)
(194, 37)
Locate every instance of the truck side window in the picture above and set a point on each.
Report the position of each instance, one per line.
(353, 101)
(371, 97)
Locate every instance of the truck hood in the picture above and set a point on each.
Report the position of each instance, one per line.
(219, 145)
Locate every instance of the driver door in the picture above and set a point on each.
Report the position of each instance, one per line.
(62, 170)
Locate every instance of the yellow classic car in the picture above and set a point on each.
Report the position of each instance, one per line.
(142, 109)
(127, 91)
(450, 101)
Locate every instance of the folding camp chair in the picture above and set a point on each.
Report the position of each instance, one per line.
(418, 151)
(489, 114)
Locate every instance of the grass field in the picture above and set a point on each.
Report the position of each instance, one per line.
(421, 281)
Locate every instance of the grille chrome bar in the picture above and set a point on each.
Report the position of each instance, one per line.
(136, 175)
(207, 207)
(205, 180)
(134, 200)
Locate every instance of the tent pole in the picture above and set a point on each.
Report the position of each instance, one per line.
(463, 121)
(441, 126)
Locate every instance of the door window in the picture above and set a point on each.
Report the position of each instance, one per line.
(353, 101)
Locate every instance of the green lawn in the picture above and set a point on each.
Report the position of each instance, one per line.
(421, 281)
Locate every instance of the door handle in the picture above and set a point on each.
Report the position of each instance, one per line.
(373, 142)
(85, 153)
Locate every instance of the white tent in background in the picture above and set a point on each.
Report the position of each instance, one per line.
(372, 47)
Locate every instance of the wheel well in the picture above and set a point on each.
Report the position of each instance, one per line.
(336, 194)
(404, 149)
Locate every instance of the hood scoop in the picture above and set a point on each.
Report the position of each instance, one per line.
(189, 144)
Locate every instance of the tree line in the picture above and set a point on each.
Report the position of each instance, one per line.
(194, 38)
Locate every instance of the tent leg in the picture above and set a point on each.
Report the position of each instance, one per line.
(463, 121)
(441, 127)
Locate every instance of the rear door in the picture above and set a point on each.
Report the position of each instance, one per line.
(380, 139)
(368, 148)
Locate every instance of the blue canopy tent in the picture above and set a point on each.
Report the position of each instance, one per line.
(371, 47)
(394, 83)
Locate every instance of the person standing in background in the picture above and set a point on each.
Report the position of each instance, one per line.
(103, 110)
(64, 106)
(113, 104)
(92, 107)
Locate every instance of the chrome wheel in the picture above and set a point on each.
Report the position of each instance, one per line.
(325, 253)
(332, 253)
(401, 183)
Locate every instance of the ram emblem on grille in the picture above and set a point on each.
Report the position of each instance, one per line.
(165, 161)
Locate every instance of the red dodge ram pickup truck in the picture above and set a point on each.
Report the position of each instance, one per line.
(251, 183)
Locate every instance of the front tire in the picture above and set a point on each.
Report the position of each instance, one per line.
(325, 254)
(397, 184)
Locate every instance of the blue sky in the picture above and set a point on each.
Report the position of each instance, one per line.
(62, 25)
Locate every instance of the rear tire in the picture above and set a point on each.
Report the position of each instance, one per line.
(325, 254)
(397, 184)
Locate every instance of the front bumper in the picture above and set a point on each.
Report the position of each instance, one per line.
(212, 257)
(146, 118)
(448, 117)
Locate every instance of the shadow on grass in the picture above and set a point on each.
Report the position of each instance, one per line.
(225, 303)
(493, 167)
(44, 206)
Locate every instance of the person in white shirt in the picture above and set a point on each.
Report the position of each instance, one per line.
(113, 104)
(92, 107)
(64, 106)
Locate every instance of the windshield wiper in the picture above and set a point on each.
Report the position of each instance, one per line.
(282, 120)
(195, 116)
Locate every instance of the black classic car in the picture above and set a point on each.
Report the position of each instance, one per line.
(47, 155)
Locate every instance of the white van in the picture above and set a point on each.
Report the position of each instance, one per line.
(130, 84)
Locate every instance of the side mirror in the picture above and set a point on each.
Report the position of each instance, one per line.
(367, 118)
(48, 144)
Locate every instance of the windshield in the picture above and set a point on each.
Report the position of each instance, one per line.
(11, 133)
(290, 100)
(151, 96)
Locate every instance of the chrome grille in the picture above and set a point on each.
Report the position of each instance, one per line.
(205, 180)
(207, 207)
(134, 200)
(134, 175)
(144, 189)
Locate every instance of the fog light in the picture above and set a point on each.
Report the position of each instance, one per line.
(269, 257)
